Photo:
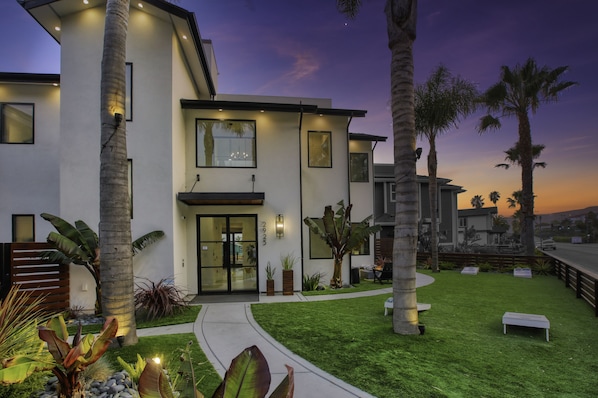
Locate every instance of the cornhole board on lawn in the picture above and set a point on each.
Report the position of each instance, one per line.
(527, 320)
(420, 306)
(522, 272)
(470, 270)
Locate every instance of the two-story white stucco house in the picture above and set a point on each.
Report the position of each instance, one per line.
(213, 171)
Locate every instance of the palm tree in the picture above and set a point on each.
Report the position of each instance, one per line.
(514, 157)
(477, 201)
(439, 104)
(116, 262)
(494, 196)
(401, 16)
(341, 235)
(520, 91)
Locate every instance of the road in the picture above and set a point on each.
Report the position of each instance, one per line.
(584, 255)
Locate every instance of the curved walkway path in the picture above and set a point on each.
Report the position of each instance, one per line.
(225, 329)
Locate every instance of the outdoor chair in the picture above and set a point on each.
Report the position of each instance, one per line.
(384, 274)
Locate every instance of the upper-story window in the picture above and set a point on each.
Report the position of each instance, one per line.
(359, 164)
(16, 123)
(129, 91)
(392, 192)
(319, 149)
(225, 143)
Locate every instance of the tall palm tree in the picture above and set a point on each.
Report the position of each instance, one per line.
(439, 104)
(477, 201)
(520, 91)
(494, 196)
(514, 157)
(401, 16)
(116, 262)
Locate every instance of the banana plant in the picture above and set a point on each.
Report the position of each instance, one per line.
(71, 360)
(79, 244)
(248, 376)
(341, 235)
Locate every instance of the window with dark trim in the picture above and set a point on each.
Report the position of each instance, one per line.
(318, 248)
(364, 249)
(16, 123)
(359, 167)
(130, 170)
(129, 92)
(225, 143)
(319, 148)
(23, 228)
(392, 192)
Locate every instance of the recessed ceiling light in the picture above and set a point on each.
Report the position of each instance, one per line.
(185, 37)
(85, 1)
(140, 5)
(220, 110)
(57, 28)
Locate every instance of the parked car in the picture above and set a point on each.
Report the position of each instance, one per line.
(547, 244)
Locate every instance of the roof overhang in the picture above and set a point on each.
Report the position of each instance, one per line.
(221, 198)
(269, 106)
(30, 78)
(49, 13)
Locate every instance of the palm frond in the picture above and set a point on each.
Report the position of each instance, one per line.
(144, 241)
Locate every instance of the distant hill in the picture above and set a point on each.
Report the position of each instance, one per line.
(548, 218)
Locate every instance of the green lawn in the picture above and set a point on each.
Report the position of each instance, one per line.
(463, 352)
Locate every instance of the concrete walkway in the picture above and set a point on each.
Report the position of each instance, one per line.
(224, 330)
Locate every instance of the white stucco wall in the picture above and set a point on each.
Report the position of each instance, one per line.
(29, 172)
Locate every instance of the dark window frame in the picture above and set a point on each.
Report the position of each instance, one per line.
(2, 125)
(129, 91)
(355, 160)
(197, 146)
(15, 218)
(324, 155)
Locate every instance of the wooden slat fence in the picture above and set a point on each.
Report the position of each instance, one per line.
(583, 283)
(31, 273)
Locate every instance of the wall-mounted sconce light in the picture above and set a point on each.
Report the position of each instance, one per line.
(279, 226)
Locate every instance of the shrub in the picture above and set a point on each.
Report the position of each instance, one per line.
(446, 265)
(485, 267)
(543, 267)
(157, 300)
(311, 282)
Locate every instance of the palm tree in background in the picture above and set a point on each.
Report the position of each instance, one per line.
(116, 260)
(401, 18)
(520, 91)
(514, 157)
(439, 104)
(494, 196)
(477, 201)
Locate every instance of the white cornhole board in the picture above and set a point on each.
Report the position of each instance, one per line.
(420, 306)
(470, 270)
(522, 272)
(528, 320)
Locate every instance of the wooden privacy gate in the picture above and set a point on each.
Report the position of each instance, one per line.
(32, 274)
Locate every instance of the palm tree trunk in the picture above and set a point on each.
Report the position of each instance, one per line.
(527, 188)
(433, 191)
(401, 18)
(115, 221)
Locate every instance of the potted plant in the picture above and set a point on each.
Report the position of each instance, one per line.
(270, 279)
(287, 261)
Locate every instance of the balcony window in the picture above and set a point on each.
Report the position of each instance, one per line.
(225, 143)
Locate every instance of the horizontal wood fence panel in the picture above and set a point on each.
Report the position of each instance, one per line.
(31, 273)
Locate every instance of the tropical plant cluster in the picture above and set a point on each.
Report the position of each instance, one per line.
(157, 300)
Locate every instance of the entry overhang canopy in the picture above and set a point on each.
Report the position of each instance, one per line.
(221, 198)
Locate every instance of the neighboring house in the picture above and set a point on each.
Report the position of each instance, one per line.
(228, 178)
(385, 202)
(482, 220)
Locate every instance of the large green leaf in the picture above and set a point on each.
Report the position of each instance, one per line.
(90, 239)
(142, 242)
(69, 248)
(17, 369)
(91, 348)
(64, 228)
(153, 382)
(286, 388)
(248, 376)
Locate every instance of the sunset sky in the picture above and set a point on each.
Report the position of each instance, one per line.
(307, 49)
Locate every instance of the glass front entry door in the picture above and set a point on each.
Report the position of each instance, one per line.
(227, 253)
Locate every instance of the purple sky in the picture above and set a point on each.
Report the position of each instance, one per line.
(306, 48)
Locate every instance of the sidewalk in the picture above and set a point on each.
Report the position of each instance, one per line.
(225, 330)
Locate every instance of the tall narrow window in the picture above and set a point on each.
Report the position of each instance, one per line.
(129, 92)
(130, 166)
(225, 143)
(392, 192)
(16, 123)
(359, 167)
(23, 228)
(317, 246)
(319, 149)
